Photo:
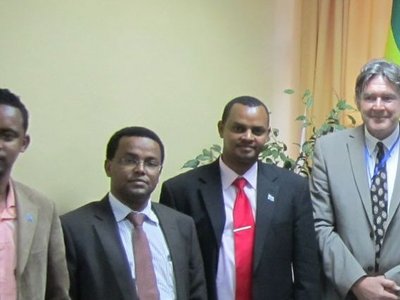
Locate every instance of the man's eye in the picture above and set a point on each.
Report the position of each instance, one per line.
(238, 129)
(258, 131)
(152, 163)
(389, 98)
(128, 161)
(8, 136)
(369, 98)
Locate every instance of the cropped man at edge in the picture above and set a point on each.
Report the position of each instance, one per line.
(254, 220)
(32, 253)
(355, 190)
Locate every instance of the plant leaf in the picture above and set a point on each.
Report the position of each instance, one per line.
(206, 152)
(191, 164)
(309, 102)
(289, 91)
(301, 118)
(352, 119)
(216, 148)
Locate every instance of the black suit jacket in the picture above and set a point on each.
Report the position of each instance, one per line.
(285, 233)
(97, 262)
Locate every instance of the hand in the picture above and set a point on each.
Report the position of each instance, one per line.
(375, 288)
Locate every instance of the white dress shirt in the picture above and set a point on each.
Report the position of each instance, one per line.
(158, 246)
(226, 280)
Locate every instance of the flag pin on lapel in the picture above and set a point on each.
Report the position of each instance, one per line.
(29, 218)
(271, 198)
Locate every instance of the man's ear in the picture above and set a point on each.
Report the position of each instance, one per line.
(25, 143)
(107, 167)
(159, 175)
(220, 128)
(268, 134)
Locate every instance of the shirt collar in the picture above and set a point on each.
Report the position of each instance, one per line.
(10, 211)
(10, 202)
(370, 141)
(228, 176)
(120, 210)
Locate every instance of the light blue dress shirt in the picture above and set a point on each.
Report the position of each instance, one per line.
(391, 163)
(158, 246)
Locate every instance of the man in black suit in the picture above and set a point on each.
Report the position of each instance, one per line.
(98, 236)
(284, 237)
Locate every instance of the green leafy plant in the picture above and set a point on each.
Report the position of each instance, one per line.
(275, 151)
(332, 123)
(207, 156)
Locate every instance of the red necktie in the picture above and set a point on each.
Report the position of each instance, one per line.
(145, 276)
(243, 228)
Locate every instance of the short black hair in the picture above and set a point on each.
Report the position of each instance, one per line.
(10, 99)
(244, 100)
(132, 131)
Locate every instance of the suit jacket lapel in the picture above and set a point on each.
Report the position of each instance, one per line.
(171, 235)
(395, 200)
(27, 214)
(107, 231)
(211, 193)
(356, 152)
(267, 194)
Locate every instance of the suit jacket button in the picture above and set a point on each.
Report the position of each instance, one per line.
(370, 268)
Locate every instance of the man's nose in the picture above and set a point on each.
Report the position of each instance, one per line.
(139, 167)
(379, 103)
(248, 134)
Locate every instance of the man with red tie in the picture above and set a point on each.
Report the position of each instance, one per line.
(254, 220)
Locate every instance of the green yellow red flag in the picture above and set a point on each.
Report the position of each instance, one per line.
(393, 43)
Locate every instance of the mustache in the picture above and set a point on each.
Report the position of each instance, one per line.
(246, 144)
(377, 115)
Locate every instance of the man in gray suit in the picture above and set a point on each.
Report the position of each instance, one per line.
(355, 188)
(98, 236)
(32, 253)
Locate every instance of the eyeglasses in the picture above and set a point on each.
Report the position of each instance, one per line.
(148, 165)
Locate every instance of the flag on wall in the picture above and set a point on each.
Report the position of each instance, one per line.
(393, 43)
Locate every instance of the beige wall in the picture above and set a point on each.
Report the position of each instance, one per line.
(87, 68)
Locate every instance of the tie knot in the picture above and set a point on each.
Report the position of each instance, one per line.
(381, 151)
(136, 219)
(240, 182)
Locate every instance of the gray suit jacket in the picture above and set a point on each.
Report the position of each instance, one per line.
(343, 215)
(97, 263)
(284, 237)
(41, 267)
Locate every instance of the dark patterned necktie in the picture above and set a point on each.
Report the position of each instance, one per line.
(379, 197)
(146, 282)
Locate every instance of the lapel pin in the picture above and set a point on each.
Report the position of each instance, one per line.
(29, 217)
(271, 198)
